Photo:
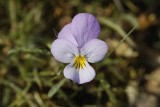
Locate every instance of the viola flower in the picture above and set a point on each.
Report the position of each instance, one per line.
(77, 44)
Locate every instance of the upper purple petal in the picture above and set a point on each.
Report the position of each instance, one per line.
(66, 33)
(95, 50)
(84, 28)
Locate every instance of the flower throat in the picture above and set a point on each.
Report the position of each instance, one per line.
(79, 62)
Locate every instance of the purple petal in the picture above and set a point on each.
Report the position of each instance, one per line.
(63, 50)
(84, 27)
(65, 33)
(79, 76)
(95, 50)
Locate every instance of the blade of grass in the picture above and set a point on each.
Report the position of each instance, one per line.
(118, 29)
(25, 50)
(37, 78)
(112, 98)
(56, 87)
(39, 99)
(124, 38)
(6, 96)
(66, 98)
(13, 17)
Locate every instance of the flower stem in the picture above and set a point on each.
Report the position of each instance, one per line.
(121, 41)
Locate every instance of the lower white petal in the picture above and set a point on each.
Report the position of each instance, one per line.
(79, 76)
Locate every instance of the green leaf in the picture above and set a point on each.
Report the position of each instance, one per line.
(106, 86)
(55, 88)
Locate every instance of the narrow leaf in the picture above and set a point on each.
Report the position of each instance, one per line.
(55, 88)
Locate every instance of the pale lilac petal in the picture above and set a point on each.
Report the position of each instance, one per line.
(84, 27)
(79, 76)
(65, 33)
(63, 50)
(95, 50)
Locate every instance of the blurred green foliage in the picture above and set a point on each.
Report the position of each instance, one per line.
(31, 77)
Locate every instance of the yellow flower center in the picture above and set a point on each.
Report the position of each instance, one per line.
(79, 62)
